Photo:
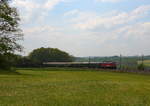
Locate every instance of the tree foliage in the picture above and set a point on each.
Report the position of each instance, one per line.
(10, 32)
(50, 55)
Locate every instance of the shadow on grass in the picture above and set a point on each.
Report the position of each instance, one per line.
(12, 73)
(55, 69)
(9, 72)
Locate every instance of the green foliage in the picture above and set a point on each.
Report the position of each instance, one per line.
(10, 33)
(25, 61)
(8, 60)
(141, 66)
(73, 87)
(41, 55)
(3, 62)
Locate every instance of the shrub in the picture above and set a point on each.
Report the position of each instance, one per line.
(141, 66)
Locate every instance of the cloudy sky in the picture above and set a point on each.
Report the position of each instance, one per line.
(86, 27)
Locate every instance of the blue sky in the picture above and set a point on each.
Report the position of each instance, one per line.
(86, 27)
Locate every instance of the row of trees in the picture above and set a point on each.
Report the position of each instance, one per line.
(41, 55)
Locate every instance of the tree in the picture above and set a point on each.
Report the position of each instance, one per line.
(24, 61)
(41, 55)
(10, 32)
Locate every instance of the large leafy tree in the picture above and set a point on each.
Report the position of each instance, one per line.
(41, 55)
(10, 32)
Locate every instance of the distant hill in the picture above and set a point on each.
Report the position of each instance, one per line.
(111, 58)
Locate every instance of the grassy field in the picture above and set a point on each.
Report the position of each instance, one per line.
(146, 63)
(73, 87)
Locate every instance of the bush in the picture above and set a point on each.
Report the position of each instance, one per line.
(8, 61)
(4, 64)
(141, 67)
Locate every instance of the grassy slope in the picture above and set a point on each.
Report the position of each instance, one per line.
(146, 63)
(74, 87)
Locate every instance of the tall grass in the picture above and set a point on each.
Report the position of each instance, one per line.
(73, 87)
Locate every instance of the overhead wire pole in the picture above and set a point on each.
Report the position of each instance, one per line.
(143, 61)
(89, 61)
(120, 62)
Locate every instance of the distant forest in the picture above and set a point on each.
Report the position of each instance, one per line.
(111, 58)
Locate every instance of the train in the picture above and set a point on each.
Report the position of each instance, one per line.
(105, 65)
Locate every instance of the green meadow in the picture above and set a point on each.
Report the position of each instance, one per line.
(145, 62)
(73, 87)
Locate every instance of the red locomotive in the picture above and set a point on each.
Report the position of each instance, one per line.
(111, 65)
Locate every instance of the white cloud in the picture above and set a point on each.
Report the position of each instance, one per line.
(26, 4)
(72, 12)
(138, 31)
(33, 4)
(86, 21)
(135, 37)
(50, 4)
(32, 8)
(111, 34)
(39, 29)
(109, 0)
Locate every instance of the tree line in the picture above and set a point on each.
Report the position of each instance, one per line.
(42, 55)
